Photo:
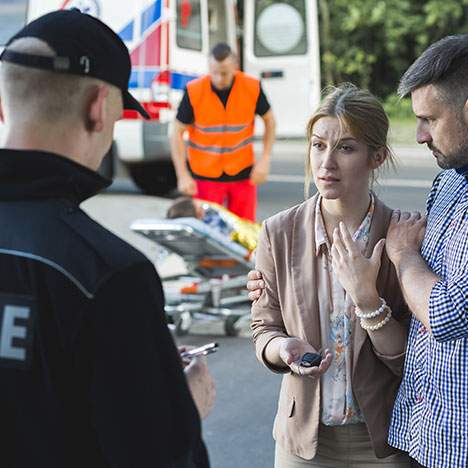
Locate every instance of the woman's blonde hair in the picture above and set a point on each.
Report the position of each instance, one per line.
(357, 111)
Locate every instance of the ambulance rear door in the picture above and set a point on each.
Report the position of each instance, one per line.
(188, 44)
(281, 48)
(196, 26)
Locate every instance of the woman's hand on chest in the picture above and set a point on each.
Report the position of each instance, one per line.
(356, 273)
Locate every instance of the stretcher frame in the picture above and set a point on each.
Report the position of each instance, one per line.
(217, 267)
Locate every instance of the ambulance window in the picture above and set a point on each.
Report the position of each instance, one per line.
(12, 18)
(280, 28)
(189, 29)
(217, 22)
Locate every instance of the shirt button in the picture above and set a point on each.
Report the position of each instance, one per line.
(422, 329)
(419, 399)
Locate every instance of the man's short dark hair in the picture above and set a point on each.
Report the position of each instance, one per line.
(443, 64)
(182, 207)
(221, 51)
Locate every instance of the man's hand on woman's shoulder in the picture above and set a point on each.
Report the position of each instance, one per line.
(405, 234)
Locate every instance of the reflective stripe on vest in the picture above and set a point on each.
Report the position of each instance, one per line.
(221, 128)
(220, 149)
(220, 140)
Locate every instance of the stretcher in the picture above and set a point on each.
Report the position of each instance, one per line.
(217, 267)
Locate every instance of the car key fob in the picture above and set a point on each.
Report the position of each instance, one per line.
(311, 359)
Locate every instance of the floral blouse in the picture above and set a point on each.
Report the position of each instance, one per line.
(338, 406)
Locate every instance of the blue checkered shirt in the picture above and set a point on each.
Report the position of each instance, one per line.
(430, 417)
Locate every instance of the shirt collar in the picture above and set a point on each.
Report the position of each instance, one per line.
(39, 174)
(224, 91)
(463, 171)
(321, 237)
(361, 234)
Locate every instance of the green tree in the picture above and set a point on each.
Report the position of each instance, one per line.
(372, 42)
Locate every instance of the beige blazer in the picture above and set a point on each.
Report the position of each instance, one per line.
(289, 307)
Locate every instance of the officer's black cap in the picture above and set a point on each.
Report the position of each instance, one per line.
(84, 46)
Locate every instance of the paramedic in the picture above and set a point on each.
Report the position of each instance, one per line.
(218, 112)
(90, 376)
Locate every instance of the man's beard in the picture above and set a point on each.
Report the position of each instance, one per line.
(458, 156)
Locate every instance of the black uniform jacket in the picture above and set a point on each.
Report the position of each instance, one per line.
(89, 373)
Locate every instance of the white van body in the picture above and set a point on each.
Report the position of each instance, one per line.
(169, 43)
(281, 47)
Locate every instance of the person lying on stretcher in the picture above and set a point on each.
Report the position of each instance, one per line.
(240, 230)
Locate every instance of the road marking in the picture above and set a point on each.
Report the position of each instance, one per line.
(412, 183)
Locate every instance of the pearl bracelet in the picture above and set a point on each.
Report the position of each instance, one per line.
(370, 315)
(379, 325)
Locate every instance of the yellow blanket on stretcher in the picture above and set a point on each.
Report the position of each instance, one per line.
(242, 231)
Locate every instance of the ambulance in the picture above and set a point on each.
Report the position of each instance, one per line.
(169, 43)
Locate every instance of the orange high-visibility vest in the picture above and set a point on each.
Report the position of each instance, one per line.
(221, 138)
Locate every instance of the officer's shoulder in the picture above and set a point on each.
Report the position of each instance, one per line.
(101, 255)
(60, 235)
(111, 249)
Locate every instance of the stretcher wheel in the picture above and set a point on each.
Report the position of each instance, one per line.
(230, 325)
(182, 323)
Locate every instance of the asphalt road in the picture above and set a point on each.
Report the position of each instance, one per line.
(238, 432)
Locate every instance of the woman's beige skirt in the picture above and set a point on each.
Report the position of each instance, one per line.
(346, 446)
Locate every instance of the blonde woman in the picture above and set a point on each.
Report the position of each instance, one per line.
(328, 285)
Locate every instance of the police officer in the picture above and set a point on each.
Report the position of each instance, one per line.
(89, 374)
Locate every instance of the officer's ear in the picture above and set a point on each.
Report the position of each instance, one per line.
(96, 111)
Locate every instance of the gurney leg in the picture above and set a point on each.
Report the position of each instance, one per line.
(230, 325)
(182, 323)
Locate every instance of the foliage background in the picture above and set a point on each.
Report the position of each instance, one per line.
(372, 42)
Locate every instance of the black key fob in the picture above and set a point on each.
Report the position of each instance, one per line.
(311, 360)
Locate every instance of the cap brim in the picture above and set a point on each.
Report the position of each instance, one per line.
(132, 104)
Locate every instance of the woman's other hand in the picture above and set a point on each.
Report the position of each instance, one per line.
(356, 273)
(291, 351)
